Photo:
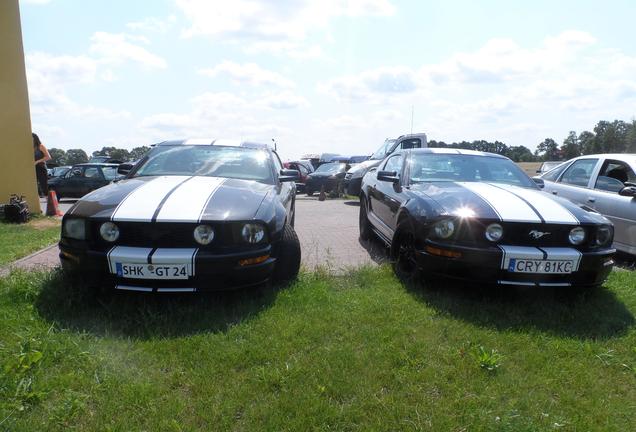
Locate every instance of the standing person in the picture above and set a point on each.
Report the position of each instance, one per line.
(41, 155)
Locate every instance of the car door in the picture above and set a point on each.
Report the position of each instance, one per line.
(71, 184)
(93, 179)
(384, 194)
(576, 181)
(620, 210)
(286, 190)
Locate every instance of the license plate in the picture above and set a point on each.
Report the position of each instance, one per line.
(540, 266)
(152, 271)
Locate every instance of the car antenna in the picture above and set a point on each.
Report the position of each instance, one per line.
(274, 141)
(412, 113)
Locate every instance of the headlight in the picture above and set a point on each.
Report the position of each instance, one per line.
(109, 231)
(204, 234)
(253, 232)
(358, 173)
(577, 235)
(75, 229)
(494, 232)
(444, 229)
(603, 235)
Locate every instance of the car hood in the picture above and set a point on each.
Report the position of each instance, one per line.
(174, 199)
(503, 202)
(364, 166)
(322, 175)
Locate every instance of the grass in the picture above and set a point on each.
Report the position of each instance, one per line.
(19, 240)
(353, 352)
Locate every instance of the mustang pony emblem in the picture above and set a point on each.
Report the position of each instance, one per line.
(537, 234)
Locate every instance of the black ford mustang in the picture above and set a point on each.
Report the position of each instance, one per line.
(477, 217)
(191, 215)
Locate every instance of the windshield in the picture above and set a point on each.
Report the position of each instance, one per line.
(381, 152)
(431, 167)
(331, 168)
(212, 161)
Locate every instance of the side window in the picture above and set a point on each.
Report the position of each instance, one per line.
(92, 173)
(394, 163)
(109, 172)
(579, 173)
(302, 170)
(555, 173)
(410, 143)
(614, 175)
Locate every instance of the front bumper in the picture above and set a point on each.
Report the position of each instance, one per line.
(210, 271)
(492, 265)
(352, 186)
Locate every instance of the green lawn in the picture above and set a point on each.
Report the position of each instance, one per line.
(355, 352)
(19, 240)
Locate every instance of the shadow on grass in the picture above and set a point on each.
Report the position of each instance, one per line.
(147, 316)
(594, 314)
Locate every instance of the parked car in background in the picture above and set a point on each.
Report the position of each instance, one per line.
(192, 215)
(548, 165)
(58, 171)
(353, 178)
(83, 178)
(104, 159)
(329, 176)
(304, 168)
(605, 183)
(478, 217)
(357, 159)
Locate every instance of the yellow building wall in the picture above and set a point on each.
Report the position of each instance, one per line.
(17, 172)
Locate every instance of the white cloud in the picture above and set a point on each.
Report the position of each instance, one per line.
(248, 74)
(275, 22)
(117, 48)
(36, 2)
(377, 82)
(153, 24)
(285, 100)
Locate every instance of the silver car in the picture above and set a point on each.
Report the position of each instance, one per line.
(604, 182)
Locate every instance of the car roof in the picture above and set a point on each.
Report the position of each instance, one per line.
(619, 156)
(101, 164)
(455, 151)
(216, 142)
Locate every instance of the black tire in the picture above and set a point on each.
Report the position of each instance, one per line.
(366, 233)
(309, 192)
(288, 259)
(404, 257)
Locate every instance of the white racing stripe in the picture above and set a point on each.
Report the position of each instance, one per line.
(128, 255)
(141, 204)
(176, 256)
(508, 206)
(188, 201)
(550, 210)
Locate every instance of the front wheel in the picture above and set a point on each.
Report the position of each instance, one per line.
(405, 257)
(363, 221)
(309, 192)
(288, 259)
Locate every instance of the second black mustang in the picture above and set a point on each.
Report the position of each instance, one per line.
(478, 217)
(191, 215)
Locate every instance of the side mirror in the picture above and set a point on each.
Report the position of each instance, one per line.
(288, 175)
(124, 168)
(388, 176)
(538, 171)
(539, 182)
(628, 191)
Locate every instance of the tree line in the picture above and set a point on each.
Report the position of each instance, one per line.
(617, 136)
(77, 156)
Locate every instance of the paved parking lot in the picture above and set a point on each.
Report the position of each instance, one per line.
(328, 233)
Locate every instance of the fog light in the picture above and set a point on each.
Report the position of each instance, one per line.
(109, 231)
(577, 236)
(203, 234)
(494, 232)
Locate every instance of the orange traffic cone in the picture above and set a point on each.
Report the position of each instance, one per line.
(52, 206)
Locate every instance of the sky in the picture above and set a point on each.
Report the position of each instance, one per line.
(325, 76)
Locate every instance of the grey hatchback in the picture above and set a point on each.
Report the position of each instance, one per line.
(606, 183)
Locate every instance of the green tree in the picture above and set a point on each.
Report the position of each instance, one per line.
(58, 156)
(548, 150)
(120, 154)
(139, 152)
(587, 142)
(520, 154)
(76, 156)
(570, 148)
(610, 137)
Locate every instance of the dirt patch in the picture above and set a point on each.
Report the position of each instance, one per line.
(44, 223)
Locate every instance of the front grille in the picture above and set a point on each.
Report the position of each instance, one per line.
(518, 234)
(167, 235)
